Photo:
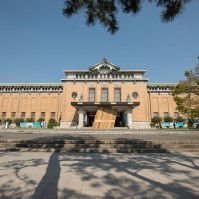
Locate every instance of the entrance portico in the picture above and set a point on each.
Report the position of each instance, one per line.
(92, 107)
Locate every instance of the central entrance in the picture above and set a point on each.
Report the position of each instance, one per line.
(120, 120)
(104, 115)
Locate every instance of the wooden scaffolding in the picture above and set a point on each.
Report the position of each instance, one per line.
(105, 117)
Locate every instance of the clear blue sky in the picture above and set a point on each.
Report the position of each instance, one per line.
(37, 42)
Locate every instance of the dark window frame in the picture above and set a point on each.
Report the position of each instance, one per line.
(91, 98)
(43, 113)
(51, 115)
(104, 99)
(23, 115)
(116, 97)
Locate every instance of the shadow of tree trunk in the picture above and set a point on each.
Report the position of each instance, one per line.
(49, 182)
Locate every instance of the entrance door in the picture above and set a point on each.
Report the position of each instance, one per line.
(119, 122)
(91, 117)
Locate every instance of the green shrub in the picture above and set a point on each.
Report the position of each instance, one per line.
(0, 121)
(17, 121)
(8, 120)
(168, 119)
(152, 125)
(50, 125)
(52, 121)
(156, 120)
(31, 120)
(180, 119)
(41, 120)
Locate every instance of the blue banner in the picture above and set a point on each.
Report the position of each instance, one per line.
(29, 124)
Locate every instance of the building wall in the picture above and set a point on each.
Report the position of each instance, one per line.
(161, 103)
(28, 103)
(60, 103)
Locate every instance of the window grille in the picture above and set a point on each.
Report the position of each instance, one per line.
(43, 115)
(155, 114)
(32, 115)
(117, 95)
(91, 94)
(176, 115)
(52, 115)
(166, 114)
(23, 115)
(104, 94)
(3, 115)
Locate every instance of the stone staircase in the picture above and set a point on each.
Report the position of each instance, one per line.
(99, 146)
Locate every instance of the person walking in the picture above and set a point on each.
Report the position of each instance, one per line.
(174, 125)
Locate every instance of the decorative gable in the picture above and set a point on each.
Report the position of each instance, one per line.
(104, 67)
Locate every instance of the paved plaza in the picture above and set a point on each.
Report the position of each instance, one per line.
(48, 175)
(92, 175)
(88, 133)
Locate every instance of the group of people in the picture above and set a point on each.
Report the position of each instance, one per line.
(159, 126)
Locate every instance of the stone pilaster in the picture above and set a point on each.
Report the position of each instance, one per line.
(80, 117)
(129, 117)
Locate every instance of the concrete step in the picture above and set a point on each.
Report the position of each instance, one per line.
(81, 145)
(85, 150)
(127, 146)
(109, 146)
(116, 141)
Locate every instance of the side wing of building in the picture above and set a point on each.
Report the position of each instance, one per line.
(31, 100)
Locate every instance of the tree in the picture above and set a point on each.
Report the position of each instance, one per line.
(180, 119)
(105, 11)
(31, 120)
(168, 119)
(17, 121)
(156, 120)
(8, 120)
(186, 94)
(41, 120)
(51, 123)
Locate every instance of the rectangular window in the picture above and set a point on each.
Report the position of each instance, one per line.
(23, 115)
(13, 115)
(176, 115)
(32, 115)
(104, 94)
(117, 94)
(155, 114)
(43, 115)
(186, 116)
(91, 94)
(52, 115)
(3, 115)
(166, 114)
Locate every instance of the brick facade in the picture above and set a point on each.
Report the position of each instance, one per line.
(54, 100)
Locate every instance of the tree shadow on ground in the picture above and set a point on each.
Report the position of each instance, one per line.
(74, 175)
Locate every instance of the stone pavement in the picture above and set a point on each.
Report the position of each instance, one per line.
(104, 176)
(26, 134)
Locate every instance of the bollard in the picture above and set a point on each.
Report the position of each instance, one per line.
(7, 125)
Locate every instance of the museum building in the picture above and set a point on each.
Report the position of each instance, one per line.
(104, 96)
